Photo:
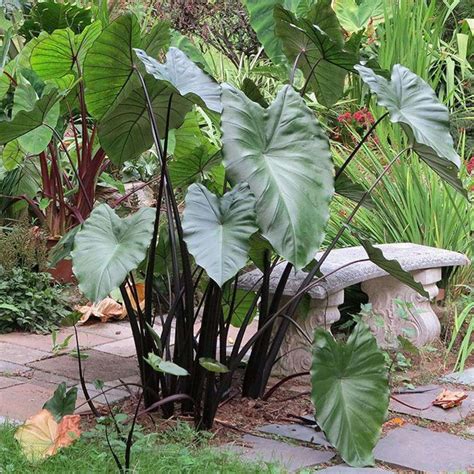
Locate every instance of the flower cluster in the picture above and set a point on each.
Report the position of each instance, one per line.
(361, 117)
(470, 165)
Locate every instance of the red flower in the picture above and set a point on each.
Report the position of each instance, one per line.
(470, 165)
(344, 117)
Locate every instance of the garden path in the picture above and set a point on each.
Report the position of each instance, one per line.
(429, 439)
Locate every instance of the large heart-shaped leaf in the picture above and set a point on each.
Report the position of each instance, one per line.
(283, 154)
(36, 140)
(355, 16)
(107, 248)
(217, 229)
(109, 64)
(322, 58)
(26, 121)
(350, 392)
(413, 104)
(125, 130)
(190, 80)
(261, 20)
(55, 55)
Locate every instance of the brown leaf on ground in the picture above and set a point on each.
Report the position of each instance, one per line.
(449, 399)
(140, 287)
(41, 436)
(394, 422)
(105, 310)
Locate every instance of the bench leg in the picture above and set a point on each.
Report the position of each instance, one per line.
(295, 352)
(400, 311)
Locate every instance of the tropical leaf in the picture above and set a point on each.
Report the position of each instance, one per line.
(251, 90)
(55, 55)
(41, 436)
(185, 76)
(63, 402)
(107, 248)
(413, 104)
(392, 267)
(12, 155)
(320, 53)
(109, 64)
(355, 16)
(283, 154)
(125, 131)
(217, 229)
(213, 365)
(344, 186)
(242, 305)
(165, 366)
(34, 141)
(26, 121)
(350, 392)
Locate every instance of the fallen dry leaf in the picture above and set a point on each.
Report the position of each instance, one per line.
(41, 436)
(105, 310)
(394, 422)
(449, 399)
(141, 298)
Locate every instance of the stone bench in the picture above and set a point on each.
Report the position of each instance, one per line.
(420, 324)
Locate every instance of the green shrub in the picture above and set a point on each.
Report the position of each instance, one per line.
(30, 302)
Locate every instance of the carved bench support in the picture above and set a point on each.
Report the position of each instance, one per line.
(414, 320)
(295, 353)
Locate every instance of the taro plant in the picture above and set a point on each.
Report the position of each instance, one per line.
(262, 199)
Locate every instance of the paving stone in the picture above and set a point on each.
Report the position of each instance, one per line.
(113, 396)
(423, 400)
(122, 348)
(19, 355)
(46, 379)
(466, 377)
(298, 432)
(9, 368)
(99, 365)
(45, 342)
(6, 382)
(268, 450)
(355, 470)
(420, 449)
(109, 330)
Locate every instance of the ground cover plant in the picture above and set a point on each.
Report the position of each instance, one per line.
(244, 177)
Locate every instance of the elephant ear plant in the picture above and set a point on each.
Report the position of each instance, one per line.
(270, 209)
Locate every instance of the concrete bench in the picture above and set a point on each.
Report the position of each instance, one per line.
(420, 324)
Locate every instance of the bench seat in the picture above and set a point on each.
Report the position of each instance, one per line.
(419, 323)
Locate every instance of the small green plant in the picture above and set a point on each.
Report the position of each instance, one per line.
(31, 302)
(463, 330)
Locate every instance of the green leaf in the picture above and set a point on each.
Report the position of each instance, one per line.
(12, 155)
(63, 248)
(322, 58)
(392, 267)
(125, 131)
(350, 392)
(217, 229)
(194, 167)
(353, 191)
(258, 247)
(413, 104)
(213, 365)
(107, 248)
(55, 55)
(243, 302)
(50, 15)
(355, 16)
(109, 64)
(185, 77)
(167, 367)
(251, 90)
(283, 154)
(155, 336)
(62, 402)
(26, 121)
(5, 81)
(192, 52)
(36, 140)
(261, 20)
